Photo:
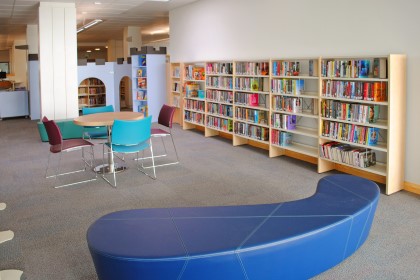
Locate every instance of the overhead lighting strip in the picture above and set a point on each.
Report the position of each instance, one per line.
(89, 25)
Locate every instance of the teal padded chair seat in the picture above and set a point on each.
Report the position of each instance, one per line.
(68, 129)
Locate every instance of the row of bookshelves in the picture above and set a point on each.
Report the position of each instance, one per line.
(298, 105)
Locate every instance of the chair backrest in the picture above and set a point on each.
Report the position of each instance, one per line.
(53, 131)
(95, 110)
(166, 115)
(131, 132)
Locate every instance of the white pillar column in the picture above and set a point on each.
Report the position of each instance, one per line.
(132, 39)
(58, 60)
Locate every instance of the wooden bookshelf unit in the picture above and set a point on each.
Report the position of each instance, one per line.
(91, 93)
(342, 113)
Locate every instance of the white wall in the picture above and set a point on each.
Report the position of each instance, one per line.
(248, 29)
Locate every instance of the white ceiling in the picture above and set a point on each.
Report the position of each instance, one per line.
(116, 14)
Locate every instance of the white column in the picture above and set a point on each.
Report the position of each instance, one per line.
(132, 39)
(32, 38)
(58, 60)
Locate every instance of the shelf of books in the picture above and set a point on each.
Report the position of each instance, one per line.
(176, 82)
(139, 73)
(362, 123)
(194, 97)
(294, 106)
(343, 113)
(251, 98)
(91, 93)
(149, 83)
(219, 97)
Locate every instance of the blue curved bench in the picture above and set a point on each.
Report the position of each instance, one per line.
(290, 240)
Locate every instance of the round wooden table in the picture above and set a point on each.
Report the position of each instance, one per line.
(107, 119)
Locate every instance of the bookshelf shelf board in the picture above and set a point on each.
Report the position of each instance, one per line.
(253, 123)
(306, 115)
(251, 91)
(306, 131)
(219, 88)
(219, 116)
(312, 95)
(381, 146)
(300, 148)
(195, 123)
(251, 138)
(219, 102)
(251, 107)
(251, 76)
(378, 168)
(195, 111)
(218, 129)
(379, 123)
(218, 75)
(355, 79)
(194, 98)
(349, 100)
(300, 77)
(197, 81)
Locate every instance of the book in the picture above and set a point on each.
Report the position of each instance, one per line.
(142, 83)
(379, 68)
(142, 95)
(372, 136)
(255, 84)
(364, 68)
(373, 113)
(285, 139)
(142, 60)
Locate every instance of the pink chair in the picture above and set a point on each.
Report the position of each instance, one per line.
(60, 146)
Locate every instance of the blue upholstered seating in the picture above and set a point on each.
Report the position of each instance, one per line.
(290, 240)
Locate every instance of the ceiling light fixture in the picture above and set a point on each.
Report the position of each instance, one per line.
(97, 49)
(160, 31)
(89, 25)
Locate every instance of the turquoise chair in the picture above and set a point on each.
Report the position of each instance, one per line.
(99, 132)
(130, 137)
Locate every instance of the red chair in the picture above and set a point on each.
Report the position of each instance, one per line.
(59, 146)
(165, 118)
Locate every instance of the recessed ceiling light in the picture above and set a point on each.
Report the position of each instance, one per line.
(88, 51)
(97, 49)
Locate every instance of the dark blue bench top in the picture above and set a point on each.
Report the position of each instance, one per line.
(248, 235)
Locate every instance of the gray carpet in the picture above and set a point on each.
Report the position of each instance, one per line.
(50, 224)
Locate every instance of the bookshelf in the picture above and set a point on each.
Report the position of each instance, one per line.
(148, 83)
(194, 98)
(219, 97)
(91, 93)
(362, 117)
(175, 96)
(340, 113)
(294, 88)
(251, 102)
